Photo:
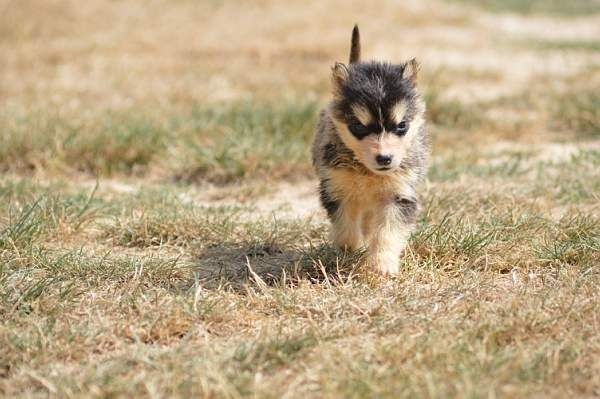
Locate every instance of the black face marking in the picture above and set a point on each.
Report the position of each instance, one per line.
(358, 130)
(408, 208)
(330, 205)
(361, 131)
(377, 88)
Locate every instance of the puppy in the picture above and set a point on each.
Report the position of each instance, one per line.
(370, 152)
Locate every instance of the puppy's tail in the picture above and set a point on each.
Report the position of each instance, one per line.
(355, 46)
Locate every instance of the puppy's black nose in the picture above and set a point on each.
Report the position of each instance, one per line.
(383, 160)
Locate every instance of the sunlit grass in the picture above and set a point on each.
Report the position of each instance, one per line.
(160, 232)
(248, 318)
(220, 143)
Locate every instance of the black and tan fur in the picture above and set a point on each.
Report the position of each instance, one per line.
(370, 153)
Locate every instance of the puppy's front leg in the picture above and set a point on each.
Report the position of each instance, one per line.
(391, 228)
(346, 230)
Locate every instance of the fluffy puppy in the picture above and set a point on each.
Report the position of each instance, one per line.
(370, 152)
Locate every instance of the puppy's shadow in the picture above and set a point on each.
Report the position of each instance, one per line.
(238, 266)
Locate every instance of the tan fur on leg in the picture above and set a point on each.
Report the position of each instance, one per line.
(387, 241)
(346, 231)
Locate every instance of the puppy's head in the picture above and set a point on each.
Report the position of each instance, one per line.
(377, 109)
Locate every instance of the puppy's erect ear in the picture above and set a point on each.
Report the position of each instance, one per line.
(339, 76)
(411, 70)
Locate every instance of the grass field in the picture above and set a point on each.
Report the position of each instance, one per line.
(160, 234)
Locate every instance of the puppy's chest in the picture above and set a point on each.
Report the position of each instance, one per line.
(368, 190)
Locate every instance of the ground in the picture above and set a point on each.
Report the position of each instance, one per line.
(160, 233)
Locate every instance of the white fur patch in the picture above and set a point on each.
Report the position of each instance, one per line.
(362, 114)
(399, 111)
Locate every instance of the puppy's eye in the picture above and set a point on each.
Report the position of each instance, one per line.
(402, 128)
(358, 130)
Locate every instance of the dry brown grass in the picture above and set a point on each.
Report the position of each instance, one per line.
(160, 235)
